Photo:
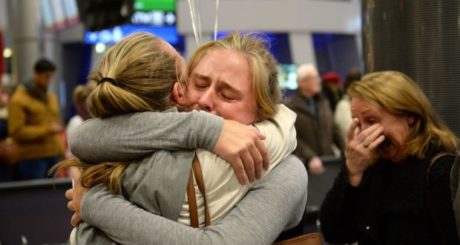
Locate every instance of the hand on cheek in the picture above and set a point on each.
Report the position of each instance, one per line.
(360, 152)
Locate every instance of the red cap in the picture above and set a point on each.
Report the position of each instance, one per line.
(331, 77)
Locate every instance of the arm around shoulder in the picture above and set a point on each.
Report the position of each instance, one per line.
(253, 221)
(132, 136)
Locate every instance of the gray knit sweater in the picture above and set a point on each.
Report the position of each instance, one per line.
(138, 135)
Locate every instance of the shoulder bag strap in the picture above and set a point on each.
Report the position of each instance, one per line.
(429, 199)
(193, 208)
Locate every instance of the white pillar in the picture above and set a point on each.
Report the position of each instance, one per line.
(24, 37)
(191, 45)
(302, 48)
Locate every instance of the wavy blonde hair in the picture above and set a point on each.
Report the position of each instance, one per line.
(400, 95)
(141, 74)
(263, 66)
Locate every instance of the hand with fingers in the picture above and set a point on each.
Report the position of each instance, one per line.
(360, 151)
(243, 147)
(75, 195)
(315, 165)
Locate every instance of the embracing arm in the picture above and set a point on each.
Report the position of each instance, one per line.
(132, 136)
(252, 221)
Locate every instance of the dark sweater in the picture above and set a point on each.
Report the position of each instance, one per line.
(391, 205)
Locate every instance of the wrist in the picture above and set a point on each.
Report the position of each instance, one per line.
(354, 176)
(355, 180)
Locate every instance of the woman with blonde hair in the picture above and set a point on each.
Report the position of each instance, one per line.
(394, 187)
(155, 183)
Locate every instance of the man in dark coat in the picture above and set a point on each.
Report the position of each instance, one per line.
(317, 135)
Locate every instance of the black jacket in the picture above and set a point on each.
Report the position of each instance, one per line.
(391, 205)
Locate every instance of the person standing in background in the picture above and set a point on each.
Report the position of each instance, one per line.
(316, 131)
(34, 123)
(79, 97)
(8, 149)
(331, 88)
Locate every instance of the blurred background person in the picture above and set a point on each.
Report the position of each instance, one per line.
(8, 149)
(317, 135)
(331, 88)
(342, 114)
(34, 123)
(79, 97)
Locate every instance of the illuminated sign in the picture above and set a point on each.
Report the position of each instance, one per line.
(115, 34)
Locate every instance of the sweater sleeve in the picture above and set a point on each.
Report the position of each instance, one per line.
(252, 221)
(339, 211)
(19, 130)
(280, 135)
(441, 201)
(133, 136)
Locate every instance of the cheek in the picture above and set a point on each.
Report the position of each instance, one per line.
(239, 112)
(192, 96)
(398, 133)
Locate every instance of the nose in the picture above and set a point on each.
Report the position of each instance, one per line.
(206, 100)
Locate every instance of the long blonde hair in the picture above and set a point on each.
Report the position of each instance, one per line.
(400, 95)
(135, 75)
(263, 66)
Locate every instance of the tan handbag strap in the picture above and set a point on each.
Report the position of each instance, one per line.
(193, 208)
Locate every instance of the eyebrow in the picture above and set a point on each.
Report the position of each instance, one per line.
(362, 113)
(366, 111)
(202, 77)
(222, 83)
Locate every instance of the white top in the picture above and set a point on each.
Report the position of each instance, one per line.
(74, 122)
(223, 190)
(342, 116)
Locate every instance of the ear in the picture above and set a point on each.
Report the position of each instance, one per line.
(178, 94)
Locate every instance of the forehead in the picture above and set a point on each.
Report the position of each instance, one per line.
(223, 62)
(311, 71)
(360, 106)
(45, 73)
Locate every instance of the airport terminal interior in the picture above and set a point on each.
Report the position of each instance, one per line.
(229, 122)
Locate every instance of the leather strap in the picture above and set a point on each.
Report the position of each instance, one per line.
(429, 200)
(193, 208)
